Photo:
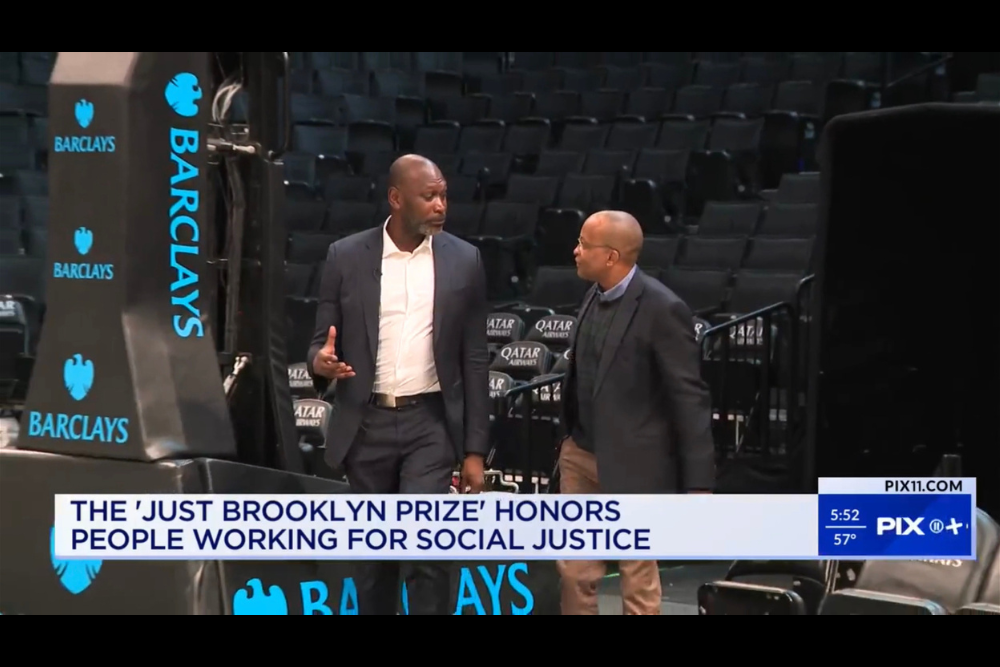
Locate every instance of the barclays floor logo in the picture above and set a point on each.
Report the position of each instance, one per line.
(78, 376)
(83, 111)
(258, 603)
(76, 576)
(486, 590)
(83, 240)
(182, 93)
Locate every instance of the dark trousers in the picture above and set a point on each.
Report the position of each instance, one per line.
(405, 450)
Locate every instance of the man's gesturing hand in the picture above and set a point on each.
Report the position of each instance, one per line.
(473, 474)
(326, 363)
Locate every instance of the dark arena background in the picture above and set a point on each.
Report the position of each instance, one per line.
(830, 217)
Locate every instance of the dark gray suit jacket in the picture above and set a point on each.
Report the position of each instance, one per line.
(349, 298)
(651, 428)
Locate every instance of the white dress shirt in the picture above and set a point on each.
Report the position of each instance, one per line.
(405, 360)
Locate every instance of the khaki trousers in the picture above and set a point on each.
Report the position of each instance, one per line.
(640, 579)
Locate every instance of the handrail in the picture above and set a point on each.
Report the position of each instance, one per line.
(771, 351)
(534, 384)
(728, 324)
(915, 73)
(507, 401)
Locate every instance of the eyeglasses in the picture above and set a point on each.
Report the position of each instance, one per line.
(590, 246)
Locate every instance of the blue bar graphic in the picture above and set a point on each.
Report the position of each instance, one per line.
(910, 526)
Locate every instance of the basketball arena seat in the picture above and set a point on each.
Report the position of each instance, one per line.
(921, 587)
(299, 382)
(988, 602)
(312, 417)
(555, 331)
(523, 360)
(759, 588)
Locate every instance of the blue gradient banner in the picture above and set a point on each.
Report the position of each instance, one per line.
(900, 526)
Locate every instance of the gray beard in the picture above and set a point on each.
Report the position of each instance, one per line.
(428, 230)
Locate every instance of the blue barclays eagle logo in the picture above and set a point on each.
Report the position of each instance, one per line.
(76, 576)
(273, 603)
(83, 239)
(182, 93)
(78, 375)
(84, 112)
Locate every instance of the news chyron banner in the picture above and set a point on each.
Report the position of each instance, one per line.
(905, 519)
(126, 366)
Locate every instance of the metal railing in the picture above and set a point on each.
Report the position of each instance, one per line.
(749, 363)
(523, 439)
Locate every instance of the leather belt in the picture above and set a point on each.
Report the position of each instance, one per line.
(399, 402)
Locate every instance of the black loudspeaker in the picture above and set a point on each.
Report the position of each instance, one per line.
(908, 245)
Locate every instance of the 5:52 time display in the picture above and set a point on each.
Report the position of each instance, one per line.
(845, 515)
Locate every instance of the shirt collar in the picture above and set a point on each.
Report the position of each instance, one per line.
(390, 248)
(618, 290)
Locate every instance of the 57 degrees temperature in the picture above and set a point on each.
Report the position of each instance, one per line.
(840, 539)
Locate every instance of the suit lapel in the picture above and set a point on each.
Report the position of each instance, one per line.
(442, 279)
(371, 287)
(619, 326)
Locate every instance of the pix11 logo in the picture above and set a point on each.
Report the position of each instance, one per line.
(902, 525)
(84, 114)
(83, 242)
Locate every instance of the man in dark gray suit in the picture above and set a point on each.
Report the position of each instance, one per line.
(636, 410)
(401, 327)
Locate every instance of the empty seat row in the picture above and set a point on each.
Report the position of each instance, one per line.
(31, 68)
(698, 252)
(649, 103)
(731, 68)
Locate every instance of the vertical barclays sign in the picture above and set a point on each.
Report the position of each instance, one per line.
(183, 94)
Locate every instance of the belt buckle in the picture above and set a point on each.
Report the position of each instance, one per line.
(390, 401)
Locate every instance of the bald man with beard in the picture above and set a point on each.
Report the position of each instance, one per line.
(636, 411)
(401, 327)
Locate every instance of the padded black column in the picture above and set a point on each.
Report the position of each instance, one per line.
(126, 363)
(905, 355)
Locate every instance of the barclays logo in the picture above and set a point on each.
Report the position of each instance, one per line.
(503, 585)
(83, 111)
(182, 94)
(76, 576)
(83, 240)
(78, 376)
(272, 603)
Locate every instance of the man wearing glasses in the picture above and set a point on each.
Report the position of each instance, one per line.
(636, 410)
